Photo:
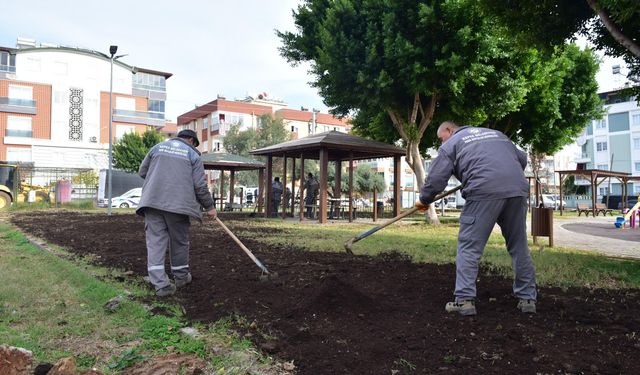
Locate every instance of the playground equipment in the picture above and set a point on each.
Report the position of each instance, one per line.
(631, 217)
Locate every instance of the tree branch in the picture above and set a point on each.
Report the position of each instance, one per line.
(414, 110)
(615, 31)
(426, 118)
(397, 124)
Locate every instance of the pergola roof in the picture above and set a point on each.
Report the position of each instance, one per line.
(224, 161)
(340, 146)
(598, 172)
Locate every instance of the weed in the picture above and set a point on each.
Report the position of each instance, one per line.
(405, 365)
(450, 359)
(127, 359)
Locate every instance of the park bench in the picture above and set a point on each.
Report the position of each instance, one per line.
(581, 207)
(601, 207)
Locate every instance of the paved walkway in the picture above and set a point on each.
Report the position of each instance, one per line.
(596, 234)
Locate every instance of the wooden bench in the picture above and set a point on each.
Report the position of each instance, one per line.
(581, 207)
(601, 207)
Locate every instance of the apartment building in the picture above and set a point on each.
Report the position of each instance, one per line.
(213, 120)
(612, 143)
(54, 104)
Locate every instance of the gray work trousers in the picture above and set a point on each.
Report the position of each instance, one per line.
(476, 223)
(165, 229)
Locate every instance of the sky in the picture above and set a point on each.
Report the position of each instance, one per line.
(226, 47)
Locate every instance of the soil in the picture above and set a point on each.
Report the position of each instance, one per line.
(332, 313)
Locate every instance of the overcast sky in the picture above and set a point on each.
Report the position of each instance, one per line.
(225, 47)
(212, 47)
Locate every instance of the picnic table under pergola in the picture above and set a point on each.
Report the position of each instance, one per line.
(596, 177)
(324, 147)
(228, 162)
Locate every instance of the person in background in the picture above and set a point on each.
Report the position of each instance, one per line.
(286, 198)
(312, 187)
(276, 195)
(173, 192)
(491, 170)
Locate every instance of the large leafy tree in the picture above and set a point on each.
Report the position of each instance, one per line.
(399, 66)
(131, 149)
(613, 26)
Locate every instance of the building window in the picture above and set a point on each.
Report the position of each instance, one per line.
(205, 123)
(636, 143)
(637, 167)
(294, 129)
(18, 154)
(205, 146)
(19, 127)
(155, 106)
(635, 119)
(603, 191)
(33, 64)
(7, 62)
(216, 146)
(601, 124)
(146, 81)
(601, 146)
(20, 92)
(603, 167)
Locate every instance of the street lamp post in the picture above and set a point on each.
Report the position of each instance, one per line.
(112, 51)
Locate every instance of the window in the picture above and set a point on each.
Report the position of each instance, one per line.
(33, 64)
(19, 127)
(148, 81)
(7, 62)
(205, 123)
(216, 146)
(601, 146)
(636, 143)
(637, 167)
(603, 191)
(60, 97)
(128, 104)
(635, 119)
(601, 124)
(636, 190)
(20, 92)
(18, 154)
(603, 167)
(294, 129)
(205, 146)
(155, 106)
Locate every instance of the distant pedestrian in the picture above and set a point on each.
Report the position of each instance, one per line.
(276, 195)
(491, 169)
(286, 198)
(312, 187)
(174, 190)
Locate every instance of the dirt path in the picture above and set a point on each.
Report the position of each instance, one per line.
(335, 314)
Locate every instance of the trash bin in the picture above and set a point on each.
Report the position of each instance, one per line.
(379, 207)
(542, 223)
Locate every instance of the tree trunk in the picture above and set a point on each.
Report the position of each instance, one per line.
(414, 159)
(614, 30)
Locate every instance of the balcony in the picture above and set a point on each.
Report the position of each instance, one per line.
(583, 158)
(18, 133)
(139, 117)
(12, 105)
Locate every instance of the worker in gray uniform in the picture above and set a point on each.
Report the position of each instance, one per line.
(174, 190)
(495, 188)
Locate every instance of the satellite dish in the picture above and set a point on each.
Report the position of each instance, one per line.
(582, 139)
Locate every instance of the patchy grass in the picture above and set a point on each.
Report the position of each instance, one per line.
(555, 266)
(52, 304)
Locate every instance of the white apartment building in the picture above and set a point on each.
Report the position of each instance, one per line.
(54, 104)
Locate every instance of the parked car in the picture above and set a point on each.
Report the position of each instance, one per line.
(449, 202)
(553, 201)
(130, 199)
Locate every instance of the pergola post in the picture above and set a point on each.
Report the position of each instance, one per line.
(397, 197)
(594, 193)
(561, 178)
(284, 187)
(375, 204)
(337, 189)
(324, 165)
(293, 186)
(350, 186)
(267, 189)
(232, 192)
(260, 197)
(301, 213)
(222, 190)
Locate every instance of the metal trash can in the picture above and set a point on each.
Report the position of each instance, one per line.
(380, 207)
(542, 223)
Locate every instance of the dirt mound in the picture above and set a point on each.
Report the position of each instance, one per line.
(335, 314)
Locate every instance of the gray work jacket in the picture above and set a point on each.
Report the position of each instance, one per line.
(174, 180)
(486, 162)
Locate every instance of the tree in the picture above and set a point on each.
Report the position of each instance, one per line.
(366, 180)
(613, 26)
(131, 149)
(401, 65)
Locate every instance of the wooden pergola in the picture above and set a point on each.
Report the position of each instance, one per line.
(232, 163)
(330, 146)
(596, 177)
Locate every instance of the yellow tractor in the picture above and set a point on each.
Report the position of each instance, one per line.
(9, 184)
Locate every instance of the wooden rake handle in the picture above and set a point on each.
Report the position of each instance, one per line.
(246, 250)
(348, 244)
